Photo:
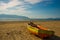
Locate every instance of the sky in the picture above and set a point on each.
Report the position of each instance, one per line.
(31, 8)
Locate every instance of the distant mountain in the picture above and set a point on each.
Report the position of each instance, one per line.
(4, 17)
(53, 19)
(45, 19)
(12, 17)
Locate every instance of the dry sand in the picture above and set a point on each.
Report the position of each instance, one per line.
(16, 30)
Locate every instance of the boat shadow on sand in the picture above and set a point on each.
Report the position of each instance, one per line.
(53, 38)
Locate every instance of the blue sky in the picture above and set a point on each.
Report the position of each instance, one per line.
(31, 8)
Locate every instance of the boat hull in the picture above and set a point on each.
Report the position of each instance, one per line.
(39, 32)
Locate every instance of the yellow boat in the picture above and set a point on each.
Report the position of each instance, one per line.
(33, 29)
(39, 32)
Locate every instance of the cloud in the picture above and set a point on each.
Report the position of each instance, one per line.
(16, 7)
(33, 1)
(16, 11)
(7, 8)
(12, 3)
